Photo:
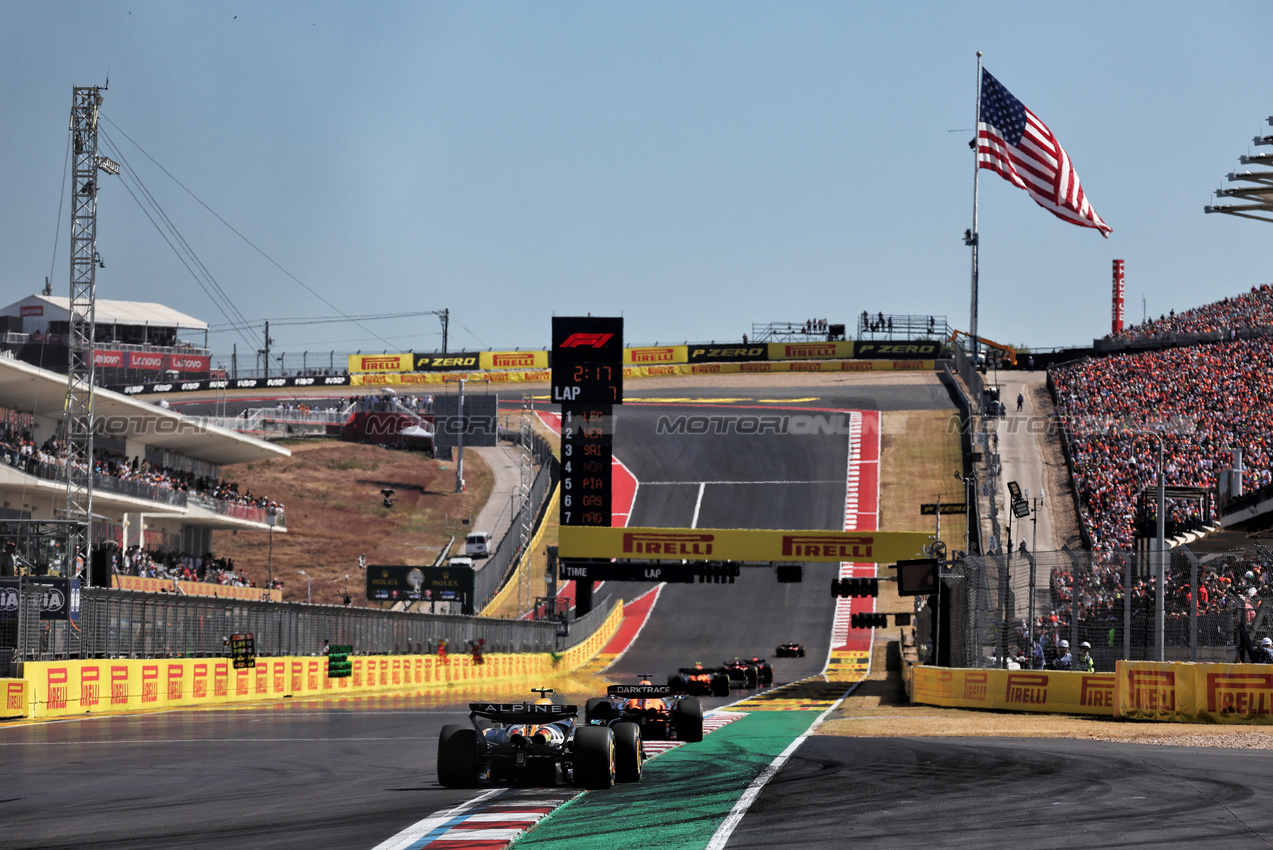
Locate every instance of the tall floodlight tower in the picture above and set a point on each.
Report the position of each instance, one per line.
(79, 367)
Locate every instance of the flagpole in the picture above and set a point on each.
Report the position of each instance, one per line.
(970, 236)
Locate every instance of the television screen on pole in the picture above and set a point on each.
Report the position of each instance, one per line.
(916, 578)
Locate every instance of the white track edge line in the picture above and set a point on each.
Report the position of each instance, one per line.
(735, 816)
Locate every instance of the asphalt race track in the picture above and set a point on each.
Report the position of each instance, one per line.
(999, 792)
(351, 774)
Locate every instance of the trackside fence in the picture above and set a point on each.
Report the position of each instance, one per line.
(498, 568)
(1215, 605)
(127, 624)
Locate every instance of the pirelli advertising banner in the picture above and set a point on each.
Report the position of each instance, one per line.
(77, 687)
(657, 355)
(361, 363)
(1049, 691)
(721, 544)
(1195, 693)
(823, 350)
(497, 360)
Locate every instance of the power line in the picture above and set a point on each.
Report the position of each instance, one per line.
(233, 230)
(321, 320)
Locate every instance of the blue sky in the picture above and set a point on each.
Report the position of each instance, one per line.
(696, 168)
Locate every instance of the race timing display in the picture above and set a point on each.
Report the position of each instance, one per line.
(587, 380)
(587, 360)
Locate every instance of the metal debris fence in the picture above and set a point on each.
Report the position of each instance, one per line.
(129, 624)
(1079, 596)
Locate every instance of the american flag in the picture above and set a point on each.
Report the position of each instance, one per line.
(1012, 141)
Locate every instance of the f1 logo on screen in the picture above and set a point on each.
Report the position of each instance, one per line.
(582, 340)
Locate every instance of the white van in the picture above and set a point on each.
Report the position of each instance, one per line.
(460, 562)
(478, 544)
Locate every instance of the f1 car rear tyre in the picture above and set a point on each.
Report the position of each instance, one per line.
(627, 752)
(598, 708)
(457, 756)
(688, 717)
(594, 757)
(720, 685)
(766, 675)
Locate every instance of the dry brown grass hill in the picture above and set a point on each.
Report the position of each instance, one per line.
(335, 512)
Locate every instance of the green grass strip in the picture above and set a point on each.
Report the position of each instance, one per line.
(684, 794)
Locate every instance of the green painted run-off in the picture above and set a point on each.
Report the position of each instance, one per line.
(684, 795)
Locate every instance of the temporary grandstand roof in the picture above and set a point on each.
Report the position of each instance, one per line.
(26, 388)
(57, 308)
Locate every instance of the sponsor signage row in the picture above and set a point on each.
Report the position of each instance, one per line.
(452, 361)
(150, 361)
(652, 356)
(718, 544)
(1139, 690)
(1048, 691)
(75, 687)
(1192, 693)
(425, 379)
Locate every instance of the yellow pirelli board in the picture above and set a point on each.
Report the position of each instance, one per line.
(749, 544)
(1049, 691)
(1195, 693)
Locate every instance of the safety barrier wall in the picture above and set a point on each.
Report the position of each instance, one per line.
(1181, 692)
(1048, 691)
(76, 687)
(14, 694)
(1195, 693)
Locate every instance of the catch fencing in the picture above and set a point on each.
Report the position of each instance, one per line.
(497, 568)
(1080, 596)
(128, 624)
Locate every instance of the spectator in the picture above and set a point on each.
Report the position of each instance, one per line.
(1084, 663)
(1063, 661)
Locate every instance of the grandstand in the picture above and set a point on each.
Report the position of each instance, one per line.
(137, 341)
(1195, 389)
(157, 481)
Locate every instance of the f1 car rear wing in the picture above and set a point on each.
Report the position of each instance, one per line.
(698, 671)
(522, 712)
(639, 691)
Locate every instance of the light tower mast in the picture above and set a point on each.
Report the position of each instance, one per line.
(85, 104)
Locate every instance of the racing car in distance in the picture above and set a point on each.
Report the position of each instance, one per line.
(536, 743)
(751, 672)
(790, 650)
(699, 681)
(661, 714)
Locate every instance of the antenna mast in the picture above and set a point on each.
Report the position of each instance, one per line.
(85, 103)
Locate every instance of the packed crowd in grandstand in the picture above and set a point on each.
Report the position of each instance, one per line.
(1249, 311)
(1202, 401)
(18, 449)
(181, 566)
